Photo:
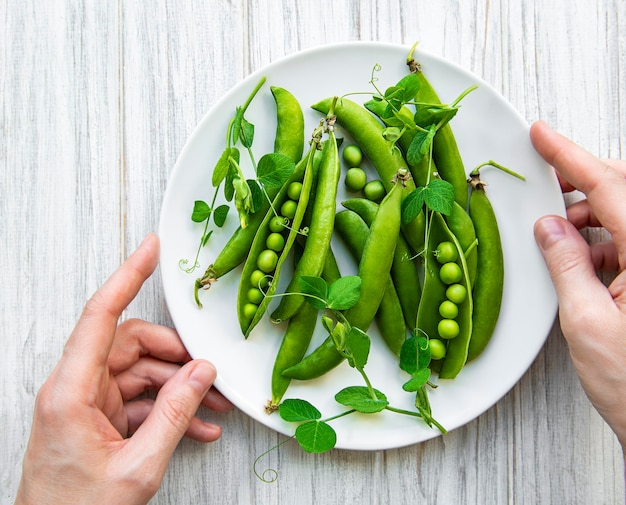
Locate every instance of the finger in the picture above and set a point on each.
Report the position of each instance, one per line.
(202, 431)
(136, 338)
(174, 408)
(604, 185)
(604, 256)
(581, 215)
(569, 261)
(149, 374)
(89, 344)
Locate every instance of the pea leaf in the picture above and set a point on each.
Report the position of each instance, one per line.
(274, 169)
(317, 288)
(420, 144)
(357, 348)
(434, 115)
(295, 410)
(246, 135)
(408, 356)
(439, 196)
(360, 399)
(423, 353)
(410, 85)
(392, 133)
(344, 292)
(229, 189)
(376, 106)
(316, 436)
(419, 379)
(206, 238)
(201, 211)
(221, 167)
(256, 194)
(220, 214)
(412, 205)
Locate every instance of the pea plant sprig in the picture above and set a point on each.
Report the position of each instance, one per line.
(271, 171)
(314, 434)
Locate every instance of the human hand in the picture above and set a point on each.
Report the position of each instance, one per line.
(592, 316)
(89, 442)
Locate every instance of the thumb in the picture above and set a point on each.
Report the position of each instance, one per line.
(172, 413)
(568, 258)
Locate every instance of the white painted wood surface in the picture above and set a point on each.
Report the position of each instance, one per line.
(97, 100)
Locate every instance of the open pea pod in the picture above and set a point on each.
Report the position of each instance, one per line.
(258, 245)
(434, 293)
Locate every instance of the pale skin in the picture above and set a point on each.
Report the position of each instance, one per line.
(592, 315)
(89, 442)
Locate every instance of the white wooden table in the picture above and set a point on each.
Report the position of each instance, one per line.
(97, 100)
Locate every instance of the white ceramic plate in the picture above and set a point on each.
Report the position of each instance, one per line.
(487, 127)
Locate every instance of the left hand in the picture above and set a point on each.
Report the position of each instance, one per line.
(89, 442)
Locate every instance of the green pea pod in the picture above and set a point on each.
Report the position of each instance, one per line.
(320, 231)
(258, 245)
(404, 271)
(374, 268)
(462, 226)
(489, 282)
(298, 336)
(289, 139)
(434, 293)
(354, 231)
(367, 132)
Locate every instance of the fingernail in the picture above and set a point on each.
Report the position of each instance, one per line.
(202, 376)
(549, 230)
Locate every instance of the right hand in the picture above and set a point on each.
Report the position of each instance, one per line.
(592, 315)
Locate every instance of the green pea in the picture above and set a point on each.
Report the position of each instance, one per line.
(456, 293)
(267, 261)
(249, 310)
(277, 224)
(446, 252)
(294, 189)
(288, 209)
(374, 190)
(448, 309)
(450, 273)
(275, 242)
(437, 348)
(352, 155)
(355, 180)
(259, 279)
(255, 295)
(448, 328)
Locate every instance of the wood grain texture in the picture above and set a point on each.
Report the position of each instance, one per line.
(98, 99)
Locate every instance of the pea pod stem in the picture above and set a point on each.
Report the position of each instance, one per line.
(475, 174)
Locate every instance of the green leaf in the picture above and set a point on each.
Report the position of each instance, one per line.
(410, 85)
(229, 189)
(412, 205)
(344, 292)
(316, 436)
(420, 145)
(376, 106)
(239, 111)
(206, 238)
(246, 135)
(256, 195)
(360, 399)
(408, 355)
(220, 214)
(417, 381)
(423, 353)
(201, 211)
(439, 196)
(317, 288)
(221, 168)
(274, 169)
(438, 115)
(295, 410)
(357, 348)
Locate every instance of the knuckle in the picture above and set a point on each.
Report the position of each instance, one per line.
(177, 412)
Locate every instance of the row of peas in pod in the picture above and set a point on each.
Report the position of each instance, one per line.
(425, 239)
